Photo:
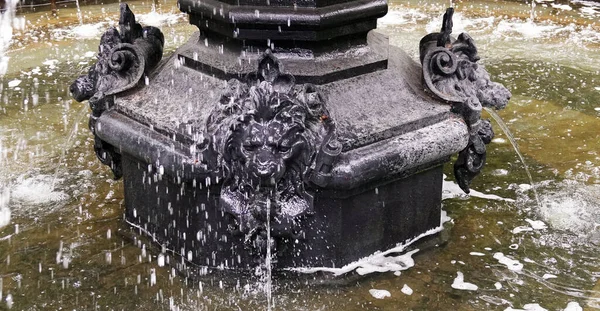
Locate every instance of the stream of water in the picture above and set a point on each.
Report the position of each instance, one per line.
(63, 243)
(515, 146)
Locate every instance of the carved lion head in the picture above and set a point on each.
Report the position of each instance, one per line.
(267, 133)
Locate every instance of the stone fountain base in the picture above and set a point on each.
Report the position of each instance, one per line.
(383, 187)
(345, 227)
(317, 154)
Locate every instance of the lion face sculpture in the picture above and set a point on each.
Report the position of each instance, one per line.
(267, 133)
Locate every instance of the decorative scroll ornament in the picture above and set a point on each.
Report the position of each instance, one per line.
(451, 72)
(271, 139)
(124, 57)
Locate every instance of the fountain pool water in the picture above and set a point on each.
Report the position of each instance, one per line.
(64, 247)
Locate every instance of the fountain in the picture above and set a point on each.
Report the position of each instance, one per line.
(64, 242)
(287, 129)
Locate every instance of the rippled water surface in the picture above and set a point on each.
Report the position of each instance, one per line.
(64, 245)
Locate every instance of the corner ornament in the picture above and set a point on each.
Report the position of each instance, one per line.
(274, 142)
(124, 57)
(451, 73)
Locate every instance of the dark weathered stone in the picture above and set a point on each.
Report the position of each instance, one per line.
(321, 148)
(285, 20)
(123, 59)
(267, 134)
(451, 72)
(385, 141)
(345, 225)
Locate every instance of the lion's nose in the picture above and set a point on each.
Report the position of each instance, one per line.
(264, 165)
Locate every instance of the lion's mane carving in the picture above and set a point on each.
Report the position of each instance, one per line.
(266, 133)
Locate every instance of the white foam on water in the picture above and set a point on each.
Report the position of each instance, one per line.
(379, 293)
(528, 307)
(37, 190)
(406, 290)
(451, 190)
(500, 172)
(460, 23)
(401, 17)
(89, 31)
(547, 276)
(536, 224)
(381, 261)
(84, 31)
(533, 225)
(378, 262)
(573, 306)
(459, 283)
(445, 218)
(574, 207)
(14, 83)
(527, 29)
(511, 264)
(158, 19)
(534, 307)
(564, 7)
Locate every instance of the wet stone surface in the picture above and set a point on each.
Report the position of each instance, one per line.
(98, 268)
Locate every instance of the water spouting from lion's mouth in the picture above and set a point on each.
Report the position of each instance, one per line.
(574, 265)
(269, 284)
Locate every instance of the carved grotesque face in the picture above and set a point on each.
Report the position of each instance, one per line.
(266, 140)
(266, 152)
(266, 133)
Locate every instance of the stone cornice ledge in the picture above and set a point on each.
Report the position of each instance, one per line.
(319, 17)
(352, 168)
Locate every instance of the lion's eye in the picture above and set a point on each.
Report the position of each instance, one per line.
(284, 148)
(249, 147)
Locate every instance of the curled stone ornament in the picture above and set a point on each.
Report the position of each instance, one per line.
(451, 73)
(271, 138)
(124, 57)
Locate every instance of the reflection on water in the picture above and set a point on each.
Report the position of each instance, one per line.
(67, 246)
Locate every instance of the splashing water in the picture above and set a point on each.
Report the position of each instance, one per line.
(4, 210)
(513, 142)
(268, 287)
(68, 142)
(532, 12)
(79, 15)
(6, 33)
(157, 19)
(573, 207)
(36, 190)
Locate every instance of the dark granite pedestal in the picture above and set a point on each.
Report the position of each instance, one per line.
(345, 226)
(385, 186)
(290, 129)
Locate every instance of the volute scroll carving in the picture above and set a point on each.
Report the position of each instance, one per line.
(125, 57)
(452, 74)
